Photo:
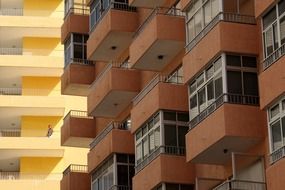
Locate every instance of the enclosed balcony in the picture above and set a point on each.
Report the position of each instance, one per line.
(78, 129)
(112, 25)
(158, 40)
(75, 177)
(247, 172)
(113, 90)
(150, 3)
(233, 29)
(76, 18)
(115, 138)
(162, 93)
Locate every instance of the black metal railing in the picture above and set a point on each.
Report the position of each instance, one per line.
(112, 5)
(277, 155)
(79, 114)
(273, 57)
(241, 184)
(76, 169)
(225, 98)
(171, 150)
(105, 132)
(78, 61)
(78, 9)
(222, 16)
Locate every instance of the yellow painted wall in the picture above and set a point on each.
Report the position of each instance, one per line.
(42, 46)
(50, 8)
(40, 165)
(36, 126)
(41, 86)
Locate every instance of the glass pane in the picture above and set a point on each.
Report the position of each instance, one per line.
(207, 13)
(218, 85)
(190, 30)
(200, 80)
(193, 86)
(122, 158)
(198, 22)
(276, 135)
(274, 111)
(182, 131)
(210, 72)
(170, 135)
(234, 82)
(78, 51)
(123, 175)
(283, 105)
(281, 7)
(169, 116)
(193, 102)
(250, 84)
(215, 8)
(202, 99)
(171, 186)
(283, 129)
(131, 174)
(233, 60)
(139, 134)
(183, 117)
(282, 29)
(268, 41)
(139, 152)
(151, 142)
(275, 36)
(145, 147)
(218, 64)
(249, 61)
(157, 137)
(210, 92)
(156, 119)
(269, 18)
(77, 38)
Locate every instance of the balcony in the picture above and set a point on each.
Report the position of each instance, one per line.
(112, 33)
(106, 143)
(77, 77)
(227, 32)
(36, 102)
(24, 181)
(76, 20)
(166, 164)
(113, 90)
(272, 79)
(29, 143)
(78, 129)
(75, 177)
(158, 40)
(233, 123)
(160, 94)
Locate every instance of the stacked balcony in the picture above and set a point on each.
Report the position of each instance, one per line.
(158, 40)
(112, 25)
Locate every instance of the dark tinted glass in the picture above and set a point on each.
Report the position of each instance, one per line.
(170, 135)
(77, 38)
(122, 158)
(281, 7)
(169, 116)
(183, 117)
(269, 18)
(233, 60)
(234, 82)
(172, 186)
(78, 51)
(248, 61)
(122, 175)
(250, 84)
(182, 131)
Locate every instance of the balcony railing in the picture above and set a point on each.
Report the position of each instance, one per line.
(159, 10)
(106, 131)
(273, 57)
(29, 176)
(120, 187)
(78, 62)
(28, 92)
(35, 52)
(11, 12)
(277, 155)
(156, 80)
(78, 114)
(78, 9)
(76, 169)
(171, 150)
(241, 184)
(112, 5)
(17, 132)
(225, 98)
(222, 16)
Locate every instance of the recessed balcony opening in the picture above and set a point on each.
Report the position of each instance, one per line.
(77, 7)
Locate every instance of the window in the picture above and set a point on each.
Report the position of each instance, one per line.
(206, 88)
(75, 48)
(148, 137)
(199, 15)
(103, 178)
(176, 76)
(241, 81)
(274, 28)
(276, 123)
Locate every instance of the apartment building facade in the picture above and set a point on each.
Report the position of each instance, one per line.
(31, 64)
(185, 94)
